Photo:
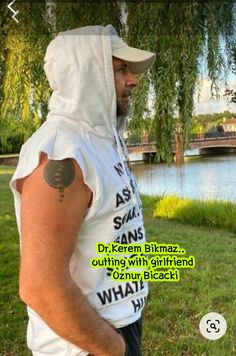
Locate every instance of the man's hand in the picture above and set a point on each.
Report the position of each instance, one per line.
(54, 203)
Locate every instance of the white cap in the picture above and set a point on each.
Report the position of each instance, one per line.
(138, 61)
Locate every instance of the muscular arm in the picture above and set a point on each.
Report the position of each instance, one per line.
(54, 203)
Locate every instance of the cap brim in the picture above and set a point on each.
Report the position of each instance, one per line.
(138, 61)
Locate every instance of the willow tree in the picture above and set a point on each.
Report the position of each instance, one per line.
(182, 34)
(2, 55)
(24, 91)
(231, 93)
(24, 88)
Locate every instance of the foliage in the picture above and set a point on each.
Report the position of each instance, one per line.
(210, 213)
(24, 91)
(206, 122)
(180, 33)
(139, 125)
(168, 206)
(86, 13)
(230, 93)
(24, 86)
(2, 52)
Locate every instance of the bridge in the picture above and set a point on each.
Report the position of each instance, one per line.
(205, 142)
(214, 140)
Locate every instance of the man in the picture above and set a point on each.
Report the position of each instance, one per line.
(73, 189)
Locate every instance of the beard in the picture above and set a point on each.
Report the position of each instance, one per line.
(123, 110)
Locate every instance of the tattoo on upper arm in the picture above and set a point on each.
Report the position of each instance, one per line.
(59, 174)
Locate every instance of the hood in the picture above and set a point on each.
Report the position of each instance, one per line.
(78, 65)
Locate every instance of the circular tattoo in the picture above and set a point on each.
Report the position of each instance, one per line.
(59, 174)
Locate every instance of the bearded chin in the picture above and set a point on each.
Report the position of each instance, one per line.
(122, 116)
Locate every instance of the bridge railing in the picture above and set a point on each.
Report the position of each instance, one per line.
(221, 135)
(213, 135)
(140, 142)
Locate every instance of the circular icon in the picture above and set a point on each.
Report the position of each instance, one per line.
(213, 326)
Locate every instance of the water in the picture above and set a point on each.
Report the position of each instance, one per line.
(200, 177)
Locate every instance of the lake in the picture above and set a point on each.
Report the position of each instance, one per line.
(208, 177)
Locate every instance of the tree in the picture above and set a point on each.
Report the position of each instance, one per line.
(230, 93)
(24, 87)
(206, 122)
(181, 34)
(24, 90)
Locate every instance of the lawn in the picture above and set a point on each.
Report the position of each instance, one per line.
(12, 311)
(174, 310)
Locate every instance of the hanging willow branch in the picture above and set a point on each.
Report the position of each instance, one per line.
(179, 32)
(24, 87)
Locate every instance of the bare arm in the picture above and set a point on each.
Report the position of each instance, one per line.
(50, 219)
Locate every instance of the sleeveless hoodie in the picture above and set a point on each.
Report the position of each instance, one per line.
(82, 124)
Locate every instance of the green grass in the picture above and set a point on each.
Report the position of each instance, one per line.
(211, 213)
(174, 310)
(12, 311)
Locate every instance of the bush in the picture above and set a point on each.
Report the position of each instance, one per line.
(168, 206)
(11, 144)
(211, 213)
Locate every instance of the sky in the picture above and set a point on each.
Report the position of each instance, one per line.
(205, 105)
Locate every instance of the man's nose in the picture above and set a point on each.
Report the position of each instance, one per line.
(132, 80)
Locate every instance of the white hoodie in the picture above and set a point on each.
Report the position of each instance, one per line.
(81, 124)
